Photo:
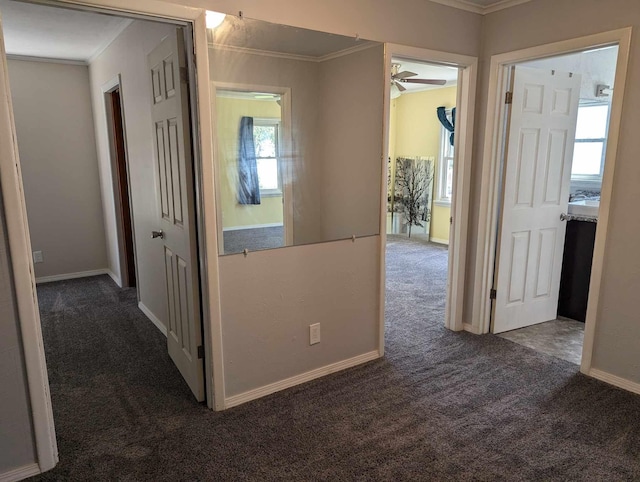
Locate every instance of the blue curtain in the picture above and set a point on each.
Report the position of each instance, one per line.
(248, 184)
(450, 126)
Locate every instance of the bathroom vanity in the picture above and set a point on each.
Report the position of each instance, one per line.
(577, 259)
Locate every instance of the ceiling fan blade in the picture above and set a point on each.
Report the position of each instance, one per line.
(400, 87)
(404, 75)
(424, 81)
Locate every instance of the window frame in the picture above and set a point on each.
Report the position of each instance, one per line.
(277, 123)
(602, 140)
(446, 154)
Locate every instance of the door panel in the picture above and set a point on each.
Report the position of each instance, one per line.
(177, 209)
(539, 151)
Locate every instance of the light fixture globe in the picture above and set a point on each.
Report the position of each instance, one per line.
(214, 19)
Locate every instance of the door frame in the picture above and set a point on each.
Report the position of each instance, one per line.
(490, 197)
(108, 89)
(287, 155)
(466, 97)
(18, 231)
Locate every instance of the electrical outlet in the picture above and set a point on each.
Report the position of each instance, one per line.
(37, 257)
(314, 333)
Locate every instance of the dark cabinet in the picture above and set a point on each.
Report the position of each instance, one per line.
(576, 269)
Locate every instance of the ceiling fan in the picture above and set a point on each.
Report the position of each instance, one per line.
(398, 78)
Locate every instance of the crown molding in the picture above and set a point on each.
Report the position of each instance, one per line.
(472, 7)
(31, 58)
(282, 55)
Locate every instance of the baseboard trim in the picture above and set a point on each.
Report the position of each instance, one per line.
(299, 379)
(615, 380)
(153, 318)
(66, 276)
(254, 226)
(471, 328)
(20, 473)
(439, 241)
(115, 279)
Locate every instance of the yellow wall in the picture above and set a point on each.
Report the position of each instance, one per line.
(414, 130)
(230, 111)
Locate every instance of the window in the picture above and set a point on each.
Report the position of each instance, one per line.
(591, 140)
(266, 140)
(445, 167)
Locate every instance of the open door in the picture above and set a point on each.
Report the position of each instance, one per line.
(177, 201)
(540, 138)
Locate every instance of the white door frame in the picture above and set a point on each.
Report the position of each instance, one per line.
(20, 245)
(491, 160)
(287, 154)
(461, 174)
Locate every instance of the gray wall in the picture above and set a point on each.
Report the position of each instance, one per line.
(350, 145)
(54, 124)
(127, 56)
(16, 444)
(544, 21)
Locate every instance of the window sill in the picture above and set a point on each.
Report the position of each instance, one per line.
(442, 203)
(271, 193)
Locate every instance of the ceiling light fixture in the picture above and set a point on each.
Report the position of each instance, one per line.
(214, 19)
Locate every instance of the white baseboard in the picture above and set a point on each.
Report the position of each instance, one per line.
(254, 226)
(298, 379)
(471, 329)
(615, 380)
(154, 319)
(439, 241)
(115, 279)
(65, 276)
(20, 473)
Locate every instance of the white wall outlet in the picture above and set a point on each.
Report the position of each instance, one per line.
(314, 333)
(37, 257)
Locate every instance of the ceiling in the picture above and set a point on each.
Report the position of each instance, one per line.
(49, 32)
(257, 35)
(481, 6)
(427, 71)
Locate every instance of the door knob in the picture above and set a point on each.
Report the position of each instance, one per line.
(563, 217)
(157, 234)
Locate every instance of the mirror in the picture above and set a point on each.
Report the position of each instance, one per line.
(298, 121)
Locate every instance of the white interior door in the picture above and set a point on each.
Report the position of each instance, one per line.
(177, 218)
(540, 140)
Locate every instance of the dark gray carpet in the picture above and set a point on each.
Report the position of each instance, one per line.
(439, 406)
(253, 239)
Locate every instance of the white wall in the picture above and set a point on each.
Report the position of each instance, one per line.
(54, 123)
(616, 349)
(127, 56)
(16, 444)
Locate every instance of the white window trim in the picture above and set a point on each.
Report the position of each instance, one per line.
(594, 178)
(441, 198)
(272, 121)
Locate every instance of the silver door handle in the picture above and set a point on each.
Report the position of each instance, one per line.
(564, 217)
(157, 234)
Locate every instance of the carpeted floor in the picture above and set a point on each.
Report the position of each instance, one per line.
(253, 239)
(439, 406)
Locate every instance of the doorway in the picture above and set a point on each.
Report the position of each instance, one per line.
(121, 186)
(420, 182)
(76, 162)
(533, 283)
(461, 171)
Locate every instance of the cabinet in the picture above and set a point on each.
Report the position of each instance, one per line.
(576, 269)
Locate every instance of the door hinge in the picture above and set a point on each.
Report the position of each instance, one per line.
(200, 352)
(451, 220)
(508, 98)
(184, 77)
(493, 294)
